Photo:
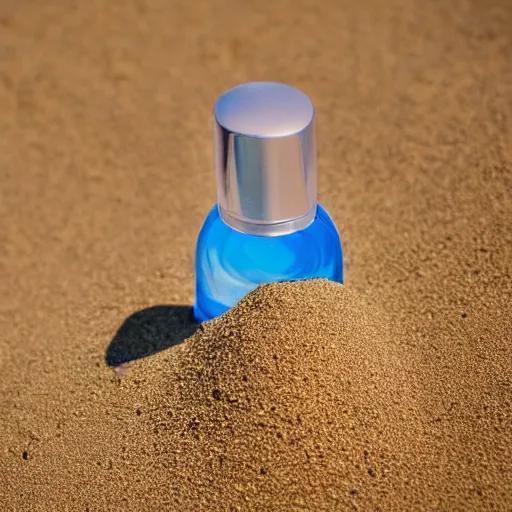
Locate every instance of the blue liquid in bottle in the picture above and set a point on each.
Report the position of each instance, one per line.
(230, 264)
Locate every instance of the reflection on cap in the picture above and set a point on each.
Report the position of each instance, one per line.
(265, 158)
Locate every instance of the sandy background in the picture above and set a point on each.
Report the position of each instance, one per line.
(106, 175)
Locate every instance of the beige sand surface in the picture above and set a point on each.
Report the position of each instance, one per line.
(106, 175)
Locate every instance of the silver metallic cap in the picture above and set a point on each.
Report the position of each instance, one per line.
(265, 158)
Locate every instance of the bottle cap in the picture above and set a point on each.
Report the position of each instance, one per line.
(265, 157)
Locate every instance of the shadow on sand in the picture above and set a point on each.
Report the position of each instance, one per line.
(149, 331)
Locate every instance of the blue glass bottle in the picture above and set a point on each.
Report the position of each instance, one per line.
(230, 264)
(267, 225)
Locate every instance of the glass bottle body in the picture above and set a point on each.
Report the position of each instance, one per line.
(230, 264)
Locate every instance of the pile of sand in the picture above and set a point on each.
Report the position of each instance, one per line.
(294, 398)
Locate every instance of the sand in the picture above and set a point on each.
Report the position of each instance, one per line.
(296, 399)
(106, 175)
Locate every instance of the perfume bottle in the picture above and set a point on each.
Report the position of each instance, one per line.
(266, 225)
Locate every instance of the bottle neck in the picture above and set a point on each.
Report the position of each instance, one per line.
(269, 229)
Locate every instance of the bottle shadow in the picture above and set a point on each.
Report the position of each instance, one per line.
(149, 331)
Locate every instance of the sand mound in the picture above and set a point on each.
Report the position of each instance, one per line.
(294, 398)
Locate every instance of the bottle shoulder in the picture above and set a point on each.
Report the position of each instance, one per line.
(322, 225)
